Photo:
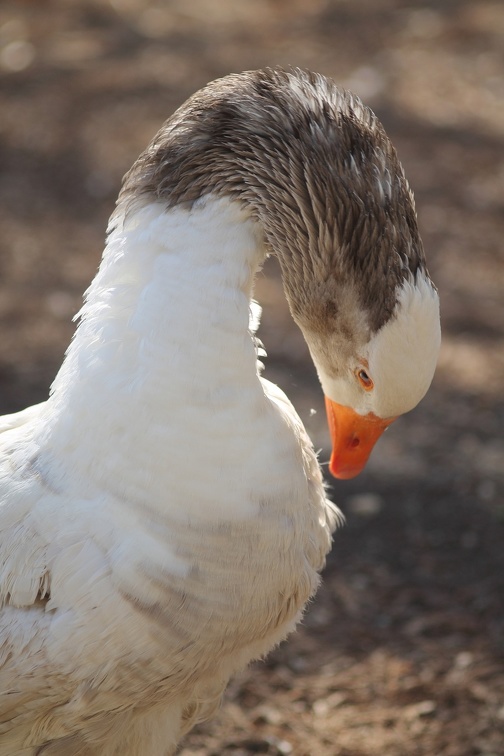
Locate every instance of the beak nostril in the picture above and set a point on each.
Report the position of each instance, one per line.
(353, 437)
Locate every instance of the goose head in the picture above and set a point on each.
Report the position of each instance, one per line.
(379, 373)
(314, 168)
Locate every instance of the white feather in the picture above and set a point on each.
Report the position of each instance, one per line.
(400, 358)
(163, 516)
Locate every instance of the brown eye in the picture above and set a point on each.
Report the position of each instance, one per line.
(365, 381)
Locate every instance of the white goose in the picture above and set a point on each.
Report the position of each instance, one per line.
(163, 518)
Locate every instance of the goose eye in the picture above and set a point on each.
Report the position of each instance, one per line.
(364, 380)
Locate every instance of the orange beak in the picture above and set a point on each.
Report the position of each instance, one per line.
(353, 437)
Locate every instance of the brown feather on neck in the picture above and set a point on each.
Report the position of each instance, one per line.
(314, 167)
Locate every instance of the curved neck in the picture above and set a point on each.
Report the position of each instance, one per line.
(174, 286)
(163, 347)
(314, 167)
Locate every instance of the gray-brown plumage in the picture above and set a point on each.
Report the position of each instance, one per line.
(293, 140)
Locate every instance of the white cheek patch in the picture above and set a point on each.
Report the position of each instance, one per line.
(403, 354)
(402, 357)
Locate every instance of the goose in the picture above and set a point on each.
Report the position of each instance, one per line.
(163, 514)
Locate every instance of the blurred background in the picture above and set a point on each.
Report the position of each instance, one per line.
(403, 650)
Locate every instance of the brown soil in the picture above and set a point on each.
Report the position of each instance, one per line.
(402, 652)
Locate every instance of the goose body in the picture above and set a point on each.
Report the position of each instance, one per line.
(163, 518)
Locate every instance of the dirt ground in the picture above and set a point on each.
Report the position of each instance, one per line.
(402, 652)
